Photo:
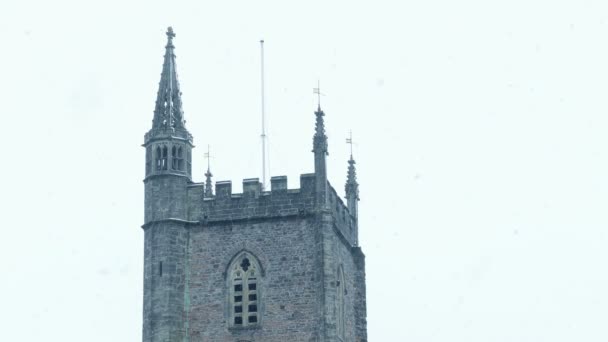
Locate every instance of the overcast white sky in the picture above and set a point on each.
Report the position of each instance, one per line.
(481, 130)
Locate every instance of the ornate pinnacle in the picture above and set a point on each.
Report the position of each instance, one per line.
(320, 139)
(208, 185)
(352, 187)
(208, 175)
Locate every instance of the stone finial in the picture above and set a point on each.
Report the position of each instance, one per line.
(168, 113)
(170, 35)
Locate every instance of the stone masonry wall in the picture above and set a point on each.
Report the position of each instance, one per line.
(289, 292)
(164, 281)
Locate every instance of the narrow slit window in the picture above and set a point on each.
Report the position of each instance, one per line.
(340, 292)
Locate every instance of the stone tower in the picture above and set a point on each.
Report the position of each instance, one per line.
(279, 265)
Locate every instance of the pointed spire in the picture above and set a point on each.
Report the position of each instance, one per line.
(168, 113)
(208, 175)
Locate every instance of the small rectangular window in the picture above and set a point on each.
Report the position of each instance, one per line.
(238, 299)
(252, 287)
(253, 308)
(238, 309)
(253, 297)
(238, 320)
(253, 319)
(238, 288)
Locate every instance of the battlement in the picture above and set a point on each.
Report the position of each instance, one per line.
(254, 203)
(253, 188)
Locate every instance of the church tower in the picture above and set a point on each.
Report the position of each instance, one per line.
(267, 266)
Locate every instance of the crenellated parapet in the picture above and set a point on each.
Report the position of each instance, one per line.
(344, 221)
(254, 204)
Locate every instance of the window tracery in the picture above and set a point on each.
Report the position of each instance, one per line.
(244, 280)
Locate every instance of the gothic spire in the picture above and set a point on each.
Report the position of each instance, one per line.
(168, 113)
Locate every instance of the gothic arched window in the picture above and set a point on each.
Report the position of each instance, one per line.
(340, 290)
(180, 159)
(164, 158)
(244, 279)
(174, 158)
(149, 158)
(158, 159)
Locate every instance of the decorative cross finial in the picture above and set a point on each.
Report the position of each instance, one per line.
(349, 141)
(170, 33)
(317, 91)
(170, 36)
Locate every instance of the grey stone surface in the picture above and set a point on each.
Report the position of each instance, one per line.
(300, 237)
